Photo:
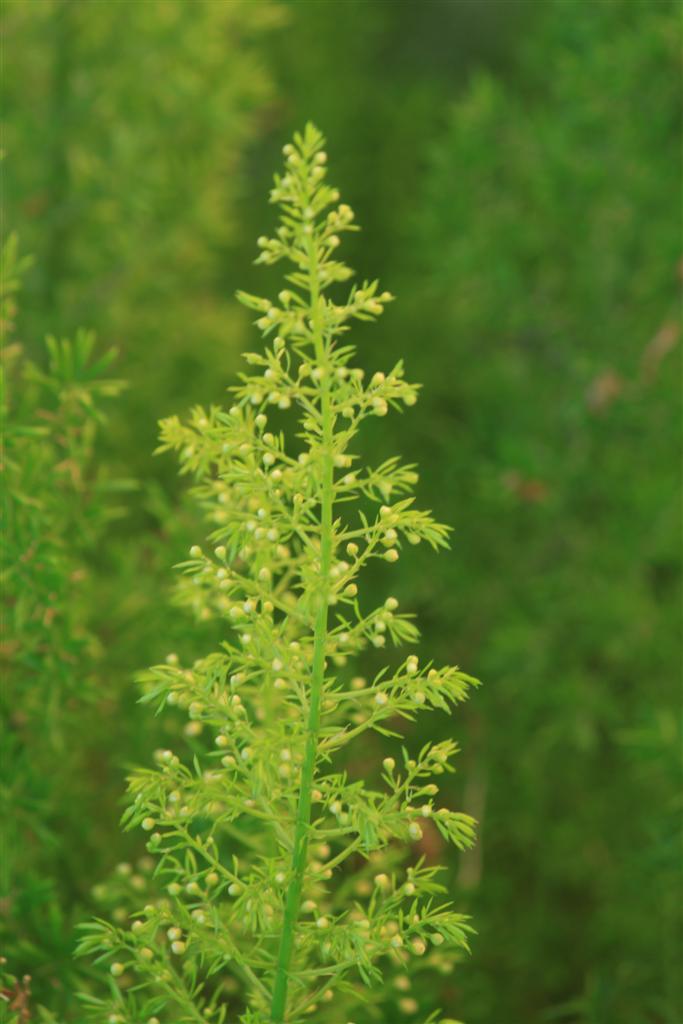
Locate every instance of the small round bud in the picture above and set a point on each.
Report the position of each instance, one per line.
(391, 555)
(178, 948)
(381, 699)
(409, 1005)
(148, 824)
(117, 969)
(195, 551)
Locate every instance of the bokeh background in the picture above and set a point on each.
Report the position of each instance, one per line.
(515, 166)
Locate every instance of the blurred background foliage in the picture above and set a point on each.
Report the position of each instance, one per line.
(515, 167)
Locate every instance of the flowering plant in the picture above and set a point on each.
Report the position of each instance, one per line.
(290, 885)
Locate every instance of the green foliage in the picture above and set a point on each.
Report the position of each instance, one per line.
(126, 132)
(55, 507)
(513, 164)
(290, 883)
(550, 251)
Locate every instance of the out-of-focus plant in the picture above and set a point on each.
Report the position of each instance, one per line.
(127, 128)
(55, 506)
(290, 885)
(548, 245)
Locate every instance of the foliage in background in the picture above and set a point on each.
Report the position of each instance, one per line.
(56, 703)
(549, 253)
(125, 127)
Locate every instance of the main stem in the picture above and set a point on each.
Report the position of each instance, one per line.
(303, 815)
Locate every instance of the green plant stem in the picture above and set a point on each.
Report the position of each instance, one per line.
(303, 817)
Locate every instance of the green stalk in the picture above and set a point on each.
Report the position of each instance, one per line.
(303, 816)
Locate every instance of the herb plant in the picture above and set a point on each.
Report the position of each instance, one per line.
(294, 889)
(55, 504)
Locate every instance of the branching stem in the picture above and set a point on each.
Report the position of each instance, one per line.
(303, 817)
